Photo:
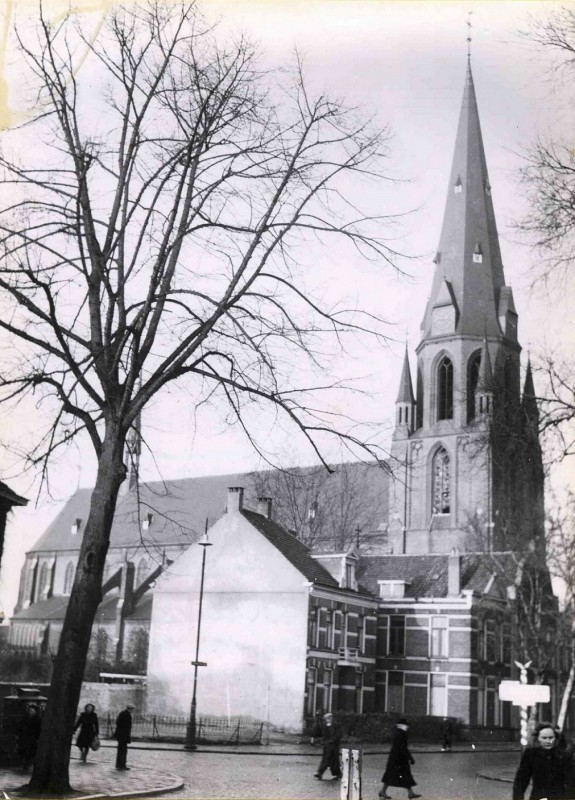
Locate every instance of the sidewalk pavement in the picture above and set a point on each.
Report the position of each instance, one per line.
(98, 779)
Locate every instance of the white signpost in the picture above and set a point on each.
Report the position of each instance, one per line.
(523, 694)
(351, 762)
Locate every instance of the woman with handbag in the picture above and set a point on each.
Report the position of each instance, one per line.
(89, 730)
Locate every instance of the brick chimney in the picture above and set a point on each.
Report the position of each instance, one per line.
(235, 498)
(454, 573)
(265, 507)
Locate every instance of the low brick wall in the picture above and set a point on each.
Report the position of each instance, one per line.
(110, 697)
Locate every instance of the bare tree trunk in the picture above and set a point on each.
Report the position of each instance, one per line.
(567, 690)
(51, 773)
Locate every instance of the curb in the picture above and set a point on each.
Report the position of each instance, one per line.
(498, 778)
(177, 782)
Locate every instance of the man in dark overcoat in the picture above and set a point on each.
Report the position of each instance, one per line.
(28, 735)
(123, 735)
(331, 738)
(398, 769)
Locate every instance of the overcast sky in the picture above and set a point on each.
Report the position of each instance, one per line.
(404, 62)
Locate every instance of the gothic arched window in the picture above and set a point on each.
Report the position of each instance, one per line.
(142, 571)
(473, 366)
(440, 488)
(445, 389)
(419, 391)
(42, 593)
(69, 578)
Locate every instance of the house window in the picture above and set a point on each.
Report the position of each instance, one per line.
(344, 628)
(396, 635)
(312, 633)
(473, 367)
(506, 643)
(440, 490)
(481, 641)
(327, 689)
(445, 389)
(358, 693)
(439, 648)
(311, 686)
(349, 576)
(329, 629)
(395, 692)
(481, 700)
(360, 633)
(490, 641)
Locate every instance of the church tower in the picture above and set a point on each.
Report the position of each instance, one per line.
(453, 483)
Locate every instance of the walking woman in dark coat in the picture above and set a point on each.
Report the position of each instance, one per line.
(89, 728)
(544, 765)
(398, 769)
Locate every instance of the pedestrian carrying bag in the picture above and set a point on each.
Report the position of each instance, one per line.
(95, 743)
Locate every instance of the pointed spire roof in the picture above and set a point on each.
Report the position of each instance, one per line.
(405, 394)
(469, 258)
(529, 401)
(485, 377)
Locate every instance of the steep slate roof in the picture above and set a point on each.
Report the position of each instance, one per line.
(427, 574)
(469, 228)
(55, 609)
(295, 551)
(179, 507)
(405, 393)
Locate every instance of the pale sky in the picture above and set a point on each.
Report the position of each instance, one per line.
(404, 62)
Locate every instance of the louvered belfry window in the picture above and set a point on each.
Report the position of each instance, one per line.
(440, 482)
(445, 389)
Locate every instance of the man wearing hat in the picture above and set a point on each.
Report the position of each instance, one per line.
(398, 769)
(331, 737)
(122, 735)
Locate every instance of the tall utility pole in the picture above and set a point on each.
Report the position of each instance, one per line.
(191, 729)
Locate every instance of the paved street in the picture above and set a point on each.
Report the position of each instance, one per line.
(445, 776)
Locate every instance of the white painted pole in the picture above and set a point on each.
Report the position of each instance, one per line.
(524, 709)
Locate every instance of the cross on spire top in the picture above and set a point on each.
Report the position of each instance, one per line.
(468, 23)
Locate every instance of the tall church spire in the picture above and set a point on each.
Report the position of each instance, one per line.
(469, 272)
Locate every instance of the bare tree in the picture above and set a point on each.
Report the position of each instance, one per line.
(548, 176)
(151, 238)
(329, 510)
(561, 560)
(556, 401)
(539, 624)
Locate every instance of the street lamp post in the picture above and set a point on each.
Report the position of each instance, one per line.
(191, 729)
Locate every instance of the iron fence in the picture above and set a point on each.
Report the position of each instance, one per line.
(213, 730)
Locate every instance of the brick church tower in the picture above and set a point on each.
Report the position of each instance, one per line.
(465, 452)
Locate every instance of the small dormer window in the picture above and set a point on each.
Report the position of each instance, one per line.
(488, 190)
(147, 521)
(76, 525)
(458, 186)
(395, 588)
(437, 259)
(477, 254)
(312, 511)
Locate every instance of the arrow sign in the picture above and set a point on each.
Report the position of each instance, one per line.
(523, 694)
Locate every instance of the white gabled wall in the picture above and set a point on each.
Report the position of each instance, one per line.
(253, 634)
